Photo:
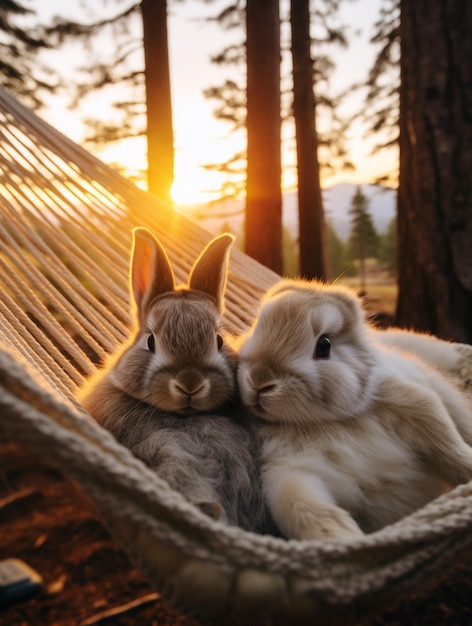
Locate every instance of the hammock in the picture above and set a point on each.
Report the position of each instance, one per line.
(65, 225)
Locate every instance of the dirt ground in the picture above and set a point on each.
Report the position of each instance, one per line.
(47, 522)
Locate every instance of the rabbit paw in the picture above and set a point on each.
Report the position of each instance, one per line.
(212, 509)
(301, 513)
(329, 524)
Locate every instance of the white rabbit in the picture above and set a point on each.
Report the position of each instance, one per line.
(170, 393)
(447, 356)
(356, 435)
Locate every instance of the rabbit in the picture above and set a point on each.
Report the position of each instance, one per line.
(447, 356)
(170, 393)
(355, 434)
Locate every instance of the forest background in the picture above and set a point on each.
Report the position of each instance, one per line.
(296, 105)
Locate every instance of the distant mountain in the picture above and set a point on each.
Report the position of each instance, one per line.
(337, 202)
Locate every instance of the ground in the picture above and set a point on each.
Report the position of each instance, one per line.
(46, 521)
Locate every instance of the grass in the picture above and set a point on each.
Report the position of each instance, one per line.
(380, 293)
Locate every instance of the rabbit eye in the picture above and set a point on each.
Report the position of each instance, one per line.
(219, 341)
(323, 347)
(151, 343)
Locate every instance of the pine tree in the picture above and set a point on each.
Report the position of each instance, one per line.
(146, 109)
(311, 145)
(21, 42)
(363, 239)
(263, 223)
(159, 125)
(312, 231)
(388, 248)
(339, 263)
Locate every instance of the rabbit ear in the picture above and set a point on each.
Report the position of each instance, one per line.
(151, 273)
(210, 270)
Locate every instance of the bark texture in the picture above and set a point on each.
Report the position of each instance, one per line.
(435, 188)
(263, 226)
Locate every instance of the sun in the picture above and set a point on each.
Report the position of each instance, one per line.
(193, 184)
(186, 188)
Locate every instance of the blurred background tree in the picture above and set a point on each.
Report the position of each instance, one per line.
(340, 264)
(263, 223)
(159, 127)
(381, 109)
(418, 98)
(363, 239)
(138, 62)
(312, 241)
(421, 95)
(313, 25)
(21, 39)
(387, 252)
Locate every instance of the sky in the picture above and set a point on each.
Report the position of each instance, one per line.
(198, 137)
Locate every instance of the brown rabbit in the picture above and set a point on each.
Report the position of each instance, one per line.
(170, 393)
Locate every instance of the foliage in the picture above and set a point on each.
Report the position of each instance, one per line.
(363, 240)
(131, 76)
(328, 31)
(387, 252)
(382, 103)
(230, 95)
(21, 41)
(339, 262)
(107, 67)
(231, 109)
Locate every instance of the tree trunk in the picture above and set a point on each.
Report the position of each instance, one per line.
(160, 137)
(435, 186)
(263, 227)
(313, 252)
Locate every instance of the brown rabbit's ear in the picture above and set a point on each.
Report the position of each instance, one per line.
(210, 270)
(150, 272)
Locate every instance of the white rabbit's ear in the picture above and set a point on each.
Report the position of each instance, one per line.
(150, 273)
(210, 270)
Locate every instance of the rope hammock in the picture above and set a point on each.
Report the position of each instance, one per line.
(65, 235)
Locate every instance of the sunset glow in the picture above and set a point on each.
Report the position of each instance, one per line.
(200, 139)
(197, 145)
(192, 184)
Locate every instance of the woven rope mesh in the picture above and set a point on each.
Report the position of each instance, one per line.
(65, 233)
(65, 224)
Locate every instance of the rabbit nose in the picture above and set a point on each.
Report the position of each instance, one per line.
(261, 380)
(260, 385)
(265, 389)
(189, 386)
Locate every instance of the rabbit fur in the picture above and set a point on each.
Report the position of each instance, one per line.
(356, 433)
(170, 393)
(445, 356)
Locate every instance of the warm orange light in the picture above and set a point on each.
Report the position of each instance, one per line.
(189, 184)
(129, 156)
(198, 142)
